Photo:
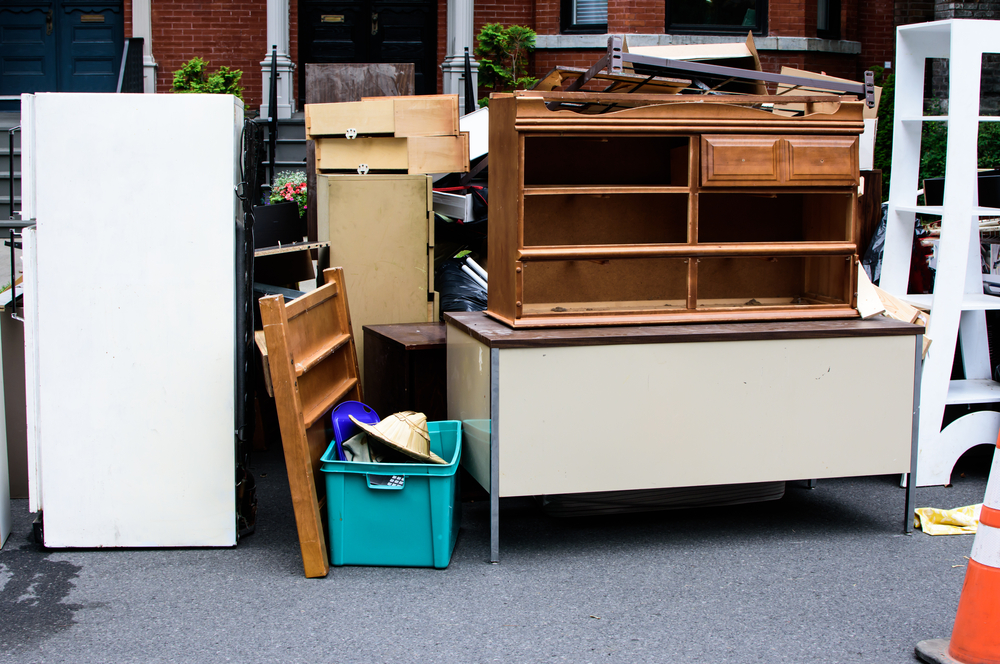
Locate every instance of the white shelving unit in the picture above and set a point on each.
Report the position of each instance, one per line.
(958, 304)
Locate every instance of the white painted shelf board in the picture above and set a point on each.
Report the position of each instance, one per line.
(970, 302)
(941, 28)
(938, 210)
(973, 391)
(944, 118)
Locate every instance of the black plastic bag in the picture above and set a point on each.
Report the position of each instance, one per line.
(872, 262)
(459, 291)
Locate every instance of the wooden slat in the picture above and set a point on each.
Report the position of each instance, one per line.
(557, 189)
(335, 395)
(328, 349)
(737, 99)
(300, 305)
(298, 464)
(438, 154)
(605, 252)
(321, 335)
(495, 334)
(289, 248)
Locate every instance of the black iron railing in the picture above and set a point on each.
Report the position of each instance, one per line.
(130, 74)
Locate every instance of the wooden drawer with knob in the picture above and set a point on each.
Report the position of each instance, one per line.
(739, 160)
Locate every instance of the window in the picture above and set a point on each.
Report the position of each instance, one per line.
(717, 16)
(584, 16)
(828, 19)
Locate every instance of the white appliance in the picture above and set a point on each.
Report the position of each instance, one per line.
(130, 316)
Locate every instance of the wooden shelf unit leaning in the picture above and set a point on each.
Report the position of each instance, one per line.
(673, 211)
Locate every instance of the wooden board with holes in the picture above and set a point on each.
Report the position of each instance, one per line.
(415, 156)
(313, 364)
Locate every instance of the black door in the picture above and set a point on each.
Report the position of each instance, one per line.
(371, 31)
(60, 46)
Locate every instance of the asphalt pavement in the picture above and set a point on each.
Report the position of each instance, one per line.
(821, 575)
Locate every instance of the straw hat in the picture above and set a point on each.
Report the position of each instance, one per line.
(405, 432)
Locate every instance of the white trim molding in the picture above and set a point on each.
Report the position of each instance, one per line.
(460, 26)
(142, 26)
(277, 35)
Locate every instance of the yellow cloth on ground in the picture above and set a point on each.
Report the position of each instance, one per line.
(959, 521)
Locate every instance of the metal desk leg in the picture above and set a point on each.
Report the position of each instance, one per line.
(494, 455)
(911, 479)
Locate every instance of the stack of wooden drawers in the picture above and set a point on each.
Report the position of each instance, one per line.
(374, 200)
(411, 135)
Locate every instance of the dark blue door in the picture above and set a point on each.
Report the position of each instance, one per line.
(60, 46)
(90, 40)
(27, 48)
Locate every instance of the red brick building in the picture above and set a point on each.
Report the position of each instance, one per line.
(840, 37)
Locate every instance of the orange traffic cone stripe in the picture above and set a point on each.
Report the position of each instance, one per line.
(976, 637)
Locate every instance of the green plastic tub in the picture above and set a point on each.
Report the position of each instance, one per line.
(375, 520)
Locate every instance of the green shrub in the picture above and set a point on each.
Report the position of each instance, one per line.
(883, 135)
(193, 77)
(503, 58)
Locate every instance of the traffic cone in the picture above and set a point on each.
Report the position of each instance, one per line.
(976, 636)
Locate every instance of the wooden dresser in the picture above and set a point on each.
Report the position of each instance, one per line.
(676, 211)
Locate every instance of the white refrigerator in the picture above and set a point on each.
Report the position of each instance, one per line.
(129, 307)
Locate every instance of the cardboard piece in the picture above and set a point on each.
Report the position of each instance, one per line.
(791, 91)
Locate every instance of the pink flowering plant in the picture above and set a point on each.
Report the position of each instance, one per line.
(290, 186)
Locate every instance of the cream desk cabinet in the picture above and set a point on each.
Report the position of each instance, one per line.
(574, 410)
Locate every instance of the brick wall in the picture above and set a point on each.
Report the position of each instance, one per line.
(877, 33)
(224, 32)
(547, 15)
(788, 18)
(629, 17)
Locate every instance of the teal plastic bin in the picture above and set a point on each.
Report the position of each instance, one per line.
(377, 521)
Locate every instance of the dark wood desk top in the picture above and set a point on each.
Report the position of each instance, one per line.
(497, 335)
(413, 336)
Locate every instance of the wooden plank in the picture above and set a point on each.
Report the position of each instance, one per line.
(659, 85)
(333, 82)
(289, 248)
(301, 480)
(869, 303)
(738, 99)
(584, 252)
(336, 394)
(505, 180)
(300, 305)
(315, 328)
(376, 116)
(321, 354)
(378, 226)
(341, 154)
(896, 308)
(426, 115)
(499, 335)
(438, 154)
